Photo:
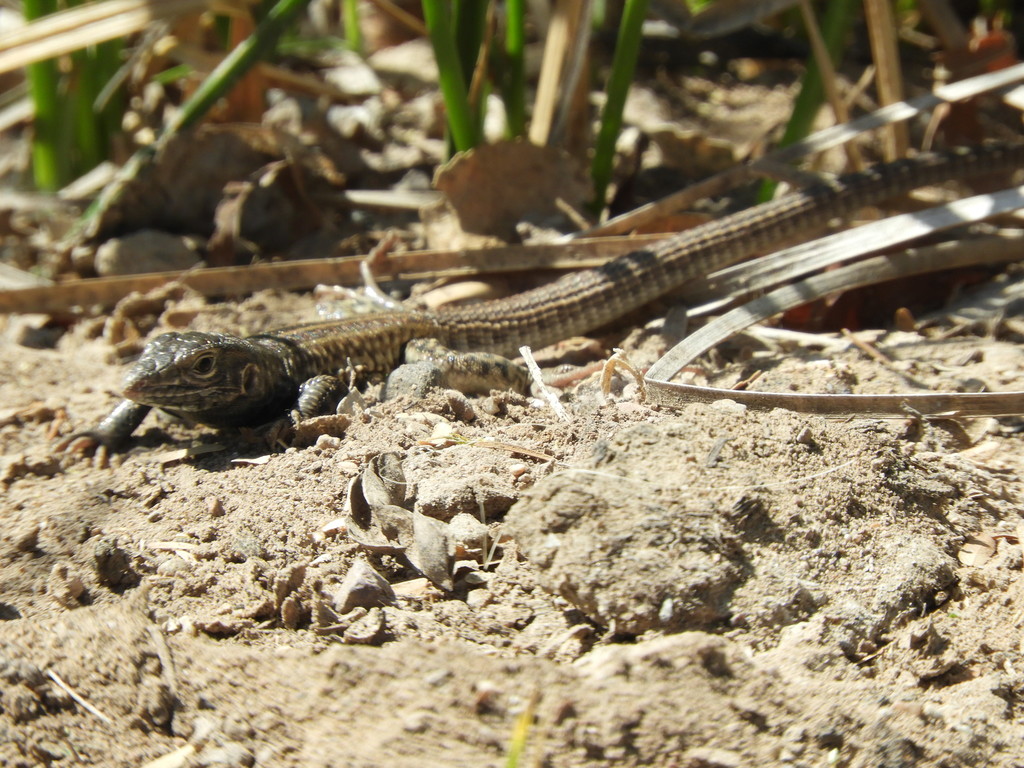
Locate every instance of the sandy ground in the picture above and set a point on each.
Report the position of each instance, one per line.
(708, 587)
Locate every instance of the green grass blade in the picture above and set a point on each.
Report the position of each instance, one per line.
(835, 25)
(236, 64)
(353, 33)
(71, 133)
(110, 110)
(173, 74)
(461, 124)
(469, 17)
(521, 732)
(623, 65)
(87, 135)
(227, 73)
(514, 81)
(470, 22)
(48, 161)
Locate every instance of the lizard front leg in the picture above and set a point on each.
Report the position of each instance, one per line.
(111, 433)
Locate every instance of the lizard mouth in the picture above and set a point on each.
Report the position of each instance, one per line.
(140, 394)
(169, 395)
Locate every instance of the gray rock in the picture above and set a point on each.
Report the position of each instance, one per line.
(413, 379)
(362, 587)
(147, 250)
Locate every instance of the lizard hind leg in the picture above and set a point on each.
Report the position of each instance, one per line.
(430, 364)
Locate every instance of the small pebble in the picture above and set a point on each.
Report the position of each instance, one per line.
(173, 566)
(367, 630)
(436, 677)
(413, 379)
(362, 587)
(729, 406)
(467, 531)
(33, 331)
(460, 405)
(328, 443)
(20, 704)
(336, 527)
(65, 586)
(113, 565)
(476, 578)
(479, 598)
(203, 727)
(489, 405)
(353, 77)
(487, 693)
(417, 722)
(230, 755)
(237, 728)
(145, 251)
(711, 757)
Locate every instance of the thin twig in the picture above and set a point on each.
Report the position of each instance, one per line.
(829, 79)
(78, 698)
(882, 34)
(168, 671)
(546, 392)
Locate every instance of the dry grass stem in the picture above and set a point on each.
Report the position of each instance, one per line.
(829, 79)
(77, 697)
(77, 28)
(882, 34)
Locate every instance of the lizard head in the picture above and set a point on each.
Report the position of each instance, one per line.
(193, 372)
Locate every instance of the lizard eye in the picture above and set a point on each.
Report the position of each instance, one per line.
(204, 365)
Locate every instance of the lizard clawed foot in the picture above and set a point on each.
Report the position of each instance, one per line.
(109, 435)
(82, 445)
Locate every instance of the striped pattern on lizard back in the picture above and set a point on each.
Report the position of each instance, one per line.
(582, 301)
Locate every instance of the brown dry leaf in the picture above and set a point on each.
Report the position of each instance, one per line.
(226, 241)
(384, 481)
(387, 26)
(182, 188)
(966, 52)
(431, 550)
(376, 523)
(379, 529)
(491, 189)
(977, 550)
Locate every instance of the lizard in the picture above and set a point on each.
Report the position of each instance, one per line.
(223, 380)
